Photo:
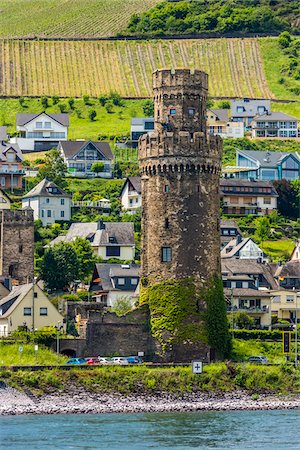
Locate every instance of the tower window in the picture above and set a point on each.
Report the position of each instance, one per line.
(20, 248)
(197, 188)
(166, 188)
(172, 111)
(191, 112)
(166, 254)
(167, 224)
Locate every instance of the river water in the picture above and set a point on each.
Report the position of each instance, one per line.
(179, 431)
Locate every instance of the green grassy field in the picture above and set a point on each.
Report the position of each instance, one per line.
(279, 250)
(10, 355)
(68, 18)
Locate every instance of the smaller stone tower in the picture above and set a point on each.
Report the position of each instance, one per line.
(17, 245)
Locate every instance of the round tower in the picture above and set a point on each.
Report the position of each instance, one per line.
(180, 167)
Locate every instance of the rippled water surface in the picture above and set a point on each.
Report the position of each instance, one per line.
(199, 430)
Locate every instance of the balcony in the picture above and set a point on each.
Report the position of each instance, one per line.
(249, 309)
(11, 172)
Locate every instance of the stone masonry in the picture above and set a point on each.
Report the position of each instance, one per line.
(180, 167)
(17, 245)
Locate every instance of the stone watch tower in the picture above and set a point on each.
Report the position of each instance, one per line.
(180, 167)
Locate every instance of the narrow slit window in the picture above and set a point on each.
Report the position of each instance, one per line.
(166, 188)
(167, 224)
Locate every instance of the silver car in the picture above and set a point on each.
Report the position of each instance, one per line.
(258, 359)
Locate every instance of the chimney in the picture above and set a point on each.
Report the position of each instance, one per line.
(100, 225)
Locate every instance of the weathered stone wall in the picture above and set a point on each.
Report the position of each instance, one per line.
(17, 245)
(180, 169)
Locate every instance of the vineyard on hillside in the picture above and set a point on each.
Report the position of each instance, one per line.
(68, 18)
(77, 68)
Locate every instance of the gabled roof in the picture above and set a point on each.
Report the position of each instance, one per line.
(135, 182)
(240, 182)
(5, 195)
(42, 190)
(275, 116)
(122, 232)
(105, 273)
(230, 223)
(4, 147)
(222, 114)
(246, 292)
(72, 148)
(235, 245)
(11, 301)
(267, 159)
(233, 266)
(22, 118)
(291, 269)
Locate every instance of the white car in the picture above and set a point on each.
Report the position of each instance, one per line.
(258, 359)
(119, 360)
(104, 360)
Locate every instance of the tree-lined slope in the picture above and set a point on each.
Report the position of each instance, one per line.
(68, 18)
(76, 68)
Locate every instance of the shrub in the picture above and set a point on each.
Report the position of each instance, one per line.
(62, 107)
(92, 114)
(21, 101)
(71, 102)
(55, 99)
(103, 99)
(86, 99)
(109, 106)
(44, 101)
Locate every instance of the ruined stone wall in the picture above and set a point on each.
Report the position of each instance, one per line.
(17, 245)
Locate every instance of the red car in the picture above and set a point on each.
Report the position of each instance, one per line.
(92, 361)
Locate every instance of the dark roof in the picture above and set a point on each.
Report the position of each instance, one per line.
(291, 269)
(267, 159)
(233, 266)
(22, 119)
(222, 114)
(41, 190)
(238, 182)
(275, 116)
(247, 292)
(71, 148)
(122, 232)
(107, 271)
(9, 303)
(6, 146)
(136, 184)
(229, 223)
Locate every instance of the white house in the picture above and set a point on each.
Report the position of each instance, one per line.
(244, 110)
(111, 282)
(49, 202)
(243, 249)
(218, 123)
(140, 126)
(79, 156)
(131, 194)
(108, 239)
(275, 125)
(27, 306)
(40, 132)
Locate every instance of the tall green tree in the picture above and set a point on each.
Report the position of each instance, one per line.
(54, 168)
(263, 228)
(85, 257)
(59, 266)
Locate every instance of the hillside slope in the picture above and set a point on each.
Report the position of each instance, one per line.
(76, 68)
(68, 18)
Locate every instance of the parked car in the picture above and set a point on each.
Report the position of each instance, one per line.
(121, 360)
(133, 360)
(258, 359)
(76, 361)
(103, 360)
(93, 360)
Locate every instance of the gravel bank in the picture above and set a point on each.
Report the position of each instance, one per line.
(13, 402)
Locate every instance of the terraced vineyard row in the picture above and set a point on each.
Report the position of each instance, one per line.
(68, 18)
(76, 68)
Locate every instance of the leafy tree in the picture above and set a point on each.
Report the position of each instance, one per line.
(54, 168)
(263, 228)
(71, 102)
(122, 306)
(55, 99)
(288, 198)
(44, 101)
(97, 167)
(103, 99)
(86, 99)
(109, 106)
(22, 101)
(78, 113)
(59, 266)
(92, 114)
(62, 107)
(148, 108)
(116, 98)
(284, 39)
(224, 104)
(243, 320)
(85, 257)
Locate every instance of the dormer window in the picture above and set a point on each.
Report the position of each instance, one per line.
(112, 240)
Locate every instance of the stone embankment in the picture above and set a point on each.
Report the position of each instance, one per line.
(14, 402)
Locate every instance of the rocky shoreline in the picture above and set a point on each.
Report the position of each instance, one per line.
(79, 401)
